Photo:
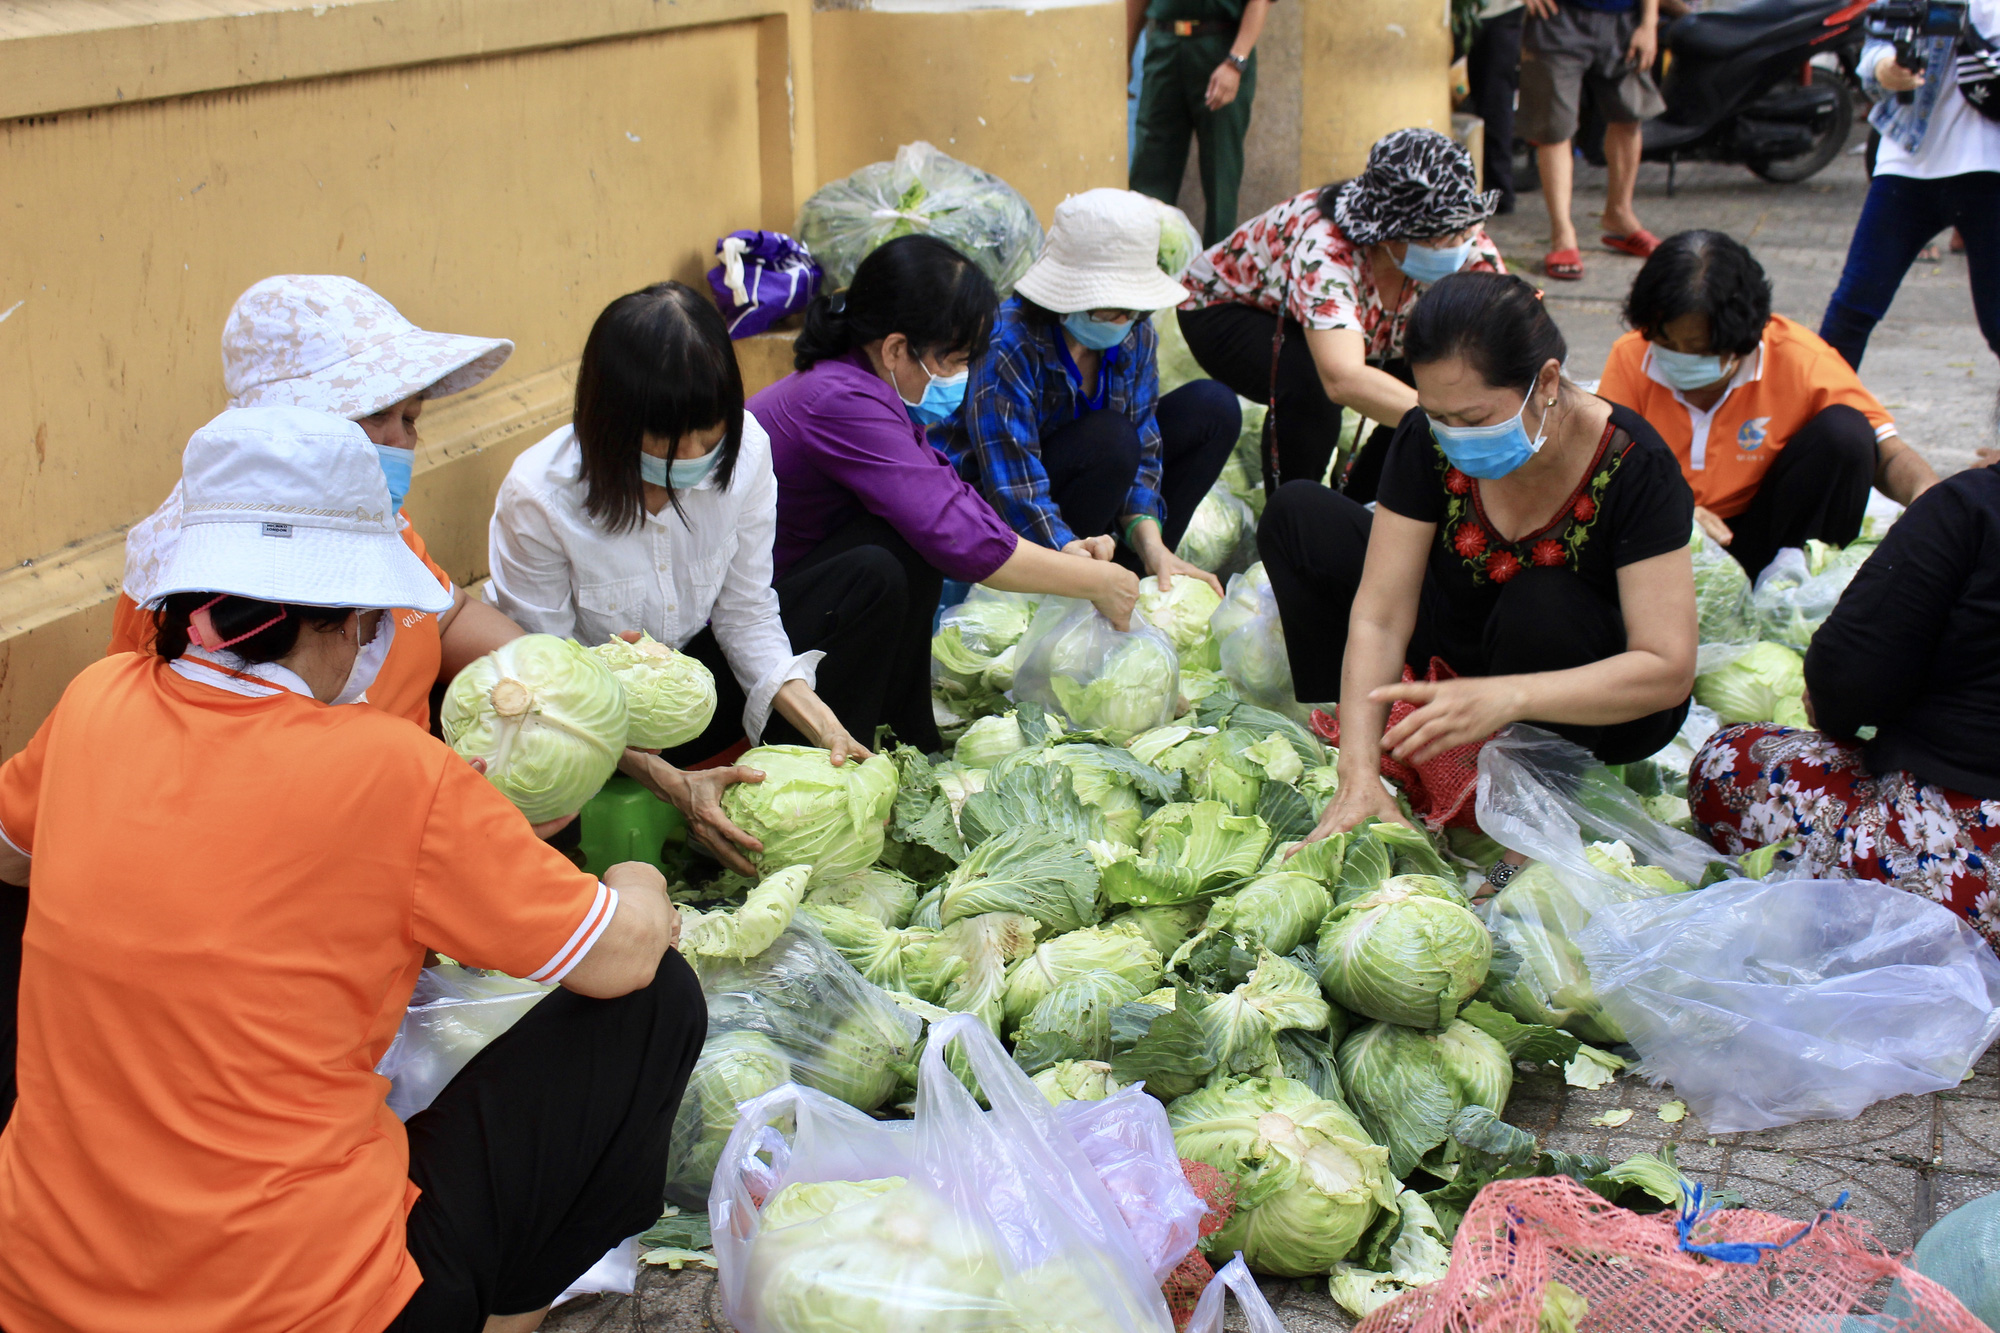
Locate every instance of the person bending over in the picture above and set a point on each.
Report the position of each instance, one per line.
(1773, 430)
(1530, 537)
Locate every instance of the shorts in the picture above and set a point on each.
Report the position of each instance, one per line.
(1580, 50)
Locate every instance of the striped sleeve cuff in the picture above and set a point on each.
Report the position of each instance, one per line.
(11, 843)
(1884, 431)
(602, 909)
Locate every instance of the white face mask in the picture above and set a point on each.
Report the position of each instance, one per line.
(368, 662)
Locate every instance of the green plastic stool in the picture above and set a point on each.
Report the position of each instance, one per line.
(625, 822)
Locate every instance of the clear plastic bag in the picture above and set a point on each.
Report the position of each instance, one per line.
(1234, 1278)
(1073, 662)
(798, 1012)
(960, 1218)
(1722, 593)
(1220, 533)
(1250, 636)
(1127, 1139)
(1769, 1003)
(922, 192)
(454, 1014)
(1592, 843)
(1790, 602)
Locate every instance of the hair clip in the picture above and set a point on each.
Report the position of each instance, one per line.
(201, 627)
(836, 304)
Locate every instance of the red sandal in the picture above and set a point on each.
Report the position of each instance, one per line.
(1566, 265)
(1640, 244)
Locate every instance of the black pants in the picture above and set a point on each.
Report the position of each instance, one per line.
(1091, 461)
(1314, 540)
(13, 922)
(1233, 343)
(1493, 73)
(1902, 215)
(548, 1148)
(1817, 488)
(846, 605)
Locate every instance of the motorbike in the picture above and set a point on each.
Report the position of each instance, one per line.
(1772, 85)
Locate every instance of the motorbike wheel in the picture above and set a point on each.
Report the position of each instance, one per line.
(1827, 144)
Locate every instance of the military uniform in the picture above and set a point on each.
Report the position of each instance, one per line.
(1185, 41)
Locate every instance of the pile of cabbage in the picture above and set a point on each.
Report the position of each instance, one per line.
(1331, 1025)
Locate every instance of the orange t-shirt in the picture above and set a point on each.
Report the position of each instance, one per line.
(403, 685)
(232, 898)
(1725, 451)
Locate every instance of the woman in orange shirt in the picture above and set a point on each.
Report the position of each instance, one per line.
(331, 344)
(201, 1140)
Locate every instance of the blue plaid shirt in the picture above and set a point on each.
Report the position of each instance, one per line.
(1025, 389)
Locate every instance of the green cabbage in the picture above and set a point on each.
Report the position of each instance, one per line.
(1308, 1181)
(1028, 870)
(1078, 1013)
(751, 928)
(1181, 613)
(964, 968)
(894, 959)
(858, 1063)
(1241, 1027)
(1179, 244)
(807, 812)
(1185, 850)
(1163, 927)
(733, 1068)
(671, 696)
(547, 717)
(1214, 532)
(1407, 1086)
(876, 891)
(1231, 765)
(1134, 687)
(1077, 1081)
(1250, 642)
(989, 740)
(1078, 953)
(1105, 779)
(1278, 911)
(1402, 955)
(1721, 591)
(1766, 683)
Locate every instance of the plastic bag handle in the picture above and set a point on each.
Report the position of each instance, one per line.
(1234, 1276)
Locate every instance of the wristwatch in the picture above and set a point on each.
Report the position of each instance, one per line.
(1241, 63)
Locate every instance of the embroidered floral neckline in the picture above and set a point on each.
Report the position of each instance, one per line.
(1468, 533)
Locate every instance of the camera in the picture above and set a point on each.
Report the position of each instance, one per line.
(1906, 22)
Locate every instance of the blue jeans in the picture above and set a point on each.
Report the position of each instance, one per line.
(1900, 216)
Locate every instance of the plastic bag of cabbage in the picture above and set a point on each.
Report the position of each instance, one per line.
(1764, 682)
(1181, 613)
(1218, 532)
(546, 717)
(1797, 591)
(1250, 642)
(1721, 592)
(922, 192)
(454, 1013)
(975, 649)
(1073, 662)
(796, 1012)
(959, 1220)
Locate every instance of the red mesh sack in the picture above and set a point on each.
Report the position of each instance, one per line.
(1184, 1286)
(1440, 789)
(1631, 1274)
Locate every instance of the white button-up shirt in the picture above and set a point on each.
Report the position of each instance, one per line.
(557, 571)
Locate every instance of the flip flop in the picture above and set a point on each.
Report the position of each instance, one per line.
(1564, 264)
(1640, 243)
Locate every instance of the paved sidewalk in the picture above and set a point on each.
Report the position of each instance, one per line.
(1926, 361)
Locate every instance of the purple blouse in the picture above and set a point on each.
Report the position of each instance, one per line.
(841, 445)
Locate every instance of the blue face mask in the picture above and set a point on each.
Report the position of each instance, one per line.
(684, 473)
(1685, 370)
(396, 467)
(941, 399)
(1095, 334)
(1421, 263)
(1489, 452)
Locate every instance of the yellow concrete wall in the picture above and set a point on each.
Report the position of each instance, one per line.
(1036, 97)
(1369, 67)
(509, 192)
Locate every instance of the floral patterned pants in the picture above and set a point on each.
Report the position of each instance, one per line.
(1758, 783)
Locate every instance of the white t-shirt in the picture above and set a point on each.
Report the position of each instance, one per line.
(1959, 138)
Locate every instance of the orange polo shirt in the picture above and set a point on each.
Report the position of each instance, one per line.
(402, 687)
(1725, 451)
(232, 897)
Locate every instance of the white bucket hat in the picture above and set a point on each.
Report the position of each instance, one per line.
(332, 344)
(1103, 253)
(288, 505)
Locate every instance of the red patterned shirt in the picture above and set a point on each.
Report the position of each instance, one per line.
(1292, 258)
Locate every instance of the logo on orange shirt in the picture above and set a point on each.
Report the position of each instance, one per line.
(1751, 436)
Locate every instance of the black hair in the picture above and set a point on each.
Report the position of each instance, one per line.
(914, 285)
(239, 615)
(658, 362)
(1703, 272)
(1496, 321)
(1328, 196)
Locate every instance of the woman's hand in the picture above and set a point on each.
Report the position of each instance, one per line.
(1161, 562)
(1449, 713)
(697, 794)
(1360, 798)
(1895, 77)
(1714, 526)
(833, 738)
(1099, 547)
(1118, 594)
